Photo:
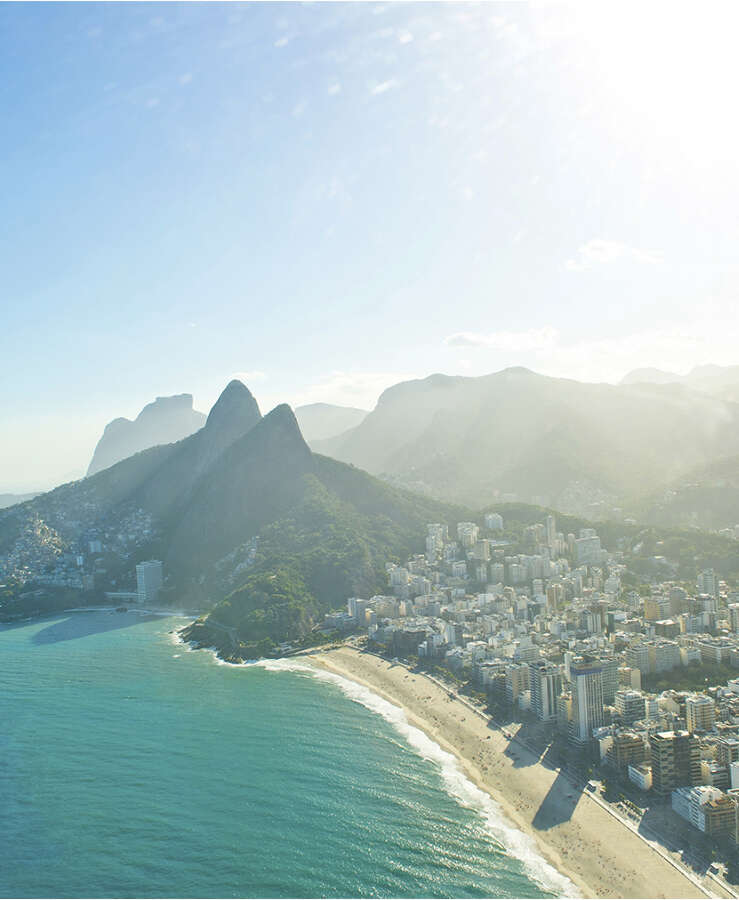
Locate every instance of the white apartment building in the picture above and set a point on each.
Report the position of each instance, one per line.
(149, 580)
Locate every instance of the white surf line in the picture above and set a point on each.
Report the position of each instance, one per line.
(653, 842)
(457, 785)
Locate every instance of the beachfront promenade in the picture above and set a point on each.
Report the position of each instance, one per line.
(578, 832)
(646, 834)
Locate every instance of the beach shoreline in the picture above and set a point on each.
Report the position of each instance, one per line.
(572, 831)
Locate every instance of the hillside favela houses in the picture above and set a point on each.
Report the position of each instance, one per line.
(552, 640)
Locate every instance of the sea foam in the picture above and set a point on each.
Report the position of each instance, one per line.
(456, 783)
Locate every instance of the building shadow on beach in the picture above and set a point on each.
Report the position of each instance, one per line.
(85, 624)
(558, 805)
(524, 746)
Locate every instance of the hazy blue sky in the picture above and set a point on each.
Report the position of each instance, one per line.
(331, 198)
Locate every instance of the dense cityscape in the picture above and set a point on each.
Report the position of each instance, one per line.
(554, 639)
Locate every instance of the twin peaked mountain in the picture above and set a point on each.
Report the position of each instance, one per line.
(323, 529)
(246, 518)
(169, 419)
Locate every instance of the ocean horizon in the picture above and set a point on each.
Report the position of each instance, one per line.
(136, 767)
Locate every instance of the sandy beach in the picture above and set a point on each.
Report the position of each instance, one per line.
(573, 832)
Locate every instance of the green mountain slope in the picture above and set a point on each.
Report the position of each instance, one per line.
(325, 531)
(244, 510)
(706, 497)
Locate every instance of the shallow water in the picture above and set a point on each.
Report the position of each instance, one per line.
(132, 767)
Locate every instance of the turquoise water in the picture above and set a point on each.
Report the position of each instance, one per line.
(132, 767)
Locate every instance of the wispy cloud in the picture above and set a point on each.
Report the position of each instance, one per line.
(599, 252)
(282, 41)
(516, 341)
(334, 89)
(383, 86)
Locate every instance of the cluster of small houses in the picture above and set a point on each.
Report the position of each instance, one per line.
(61, 549)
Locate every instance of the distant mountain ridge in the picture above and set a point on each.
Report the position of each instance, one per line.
(720, 381)
(164, 421)
(320, 421)
(651, 376)
(474, 440)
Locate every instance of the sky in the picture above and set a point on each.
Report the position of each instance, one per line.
(326, 199)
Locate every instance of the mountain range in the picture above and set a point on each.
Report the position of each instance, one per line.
(722, 381)
(521, 435)
(169, 419)
(583, 448)
(266, 534)
(241, 509)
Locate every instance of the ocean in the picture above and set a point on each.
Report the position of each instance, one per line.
(131, 766)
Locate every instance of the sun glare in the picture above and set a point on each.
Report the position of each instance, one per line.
(662, 73)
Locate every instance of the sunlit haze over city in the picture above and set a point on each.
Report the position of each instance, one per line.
(327, 200)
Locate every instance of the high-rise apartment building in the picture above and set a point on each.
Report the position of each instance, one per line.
(638, 658)
(481, 550)
(588, 550)
(700, 713)
(149, 580)
(587, 699)
(516, 681)
(545, 684)
(708, 583)
(555, 596)
(467, 534)
(676, 761)
(707, 808)
(628, 749)
(630, 706)
(727, 751)
(494, 521)
(610, 678)
(551, 526)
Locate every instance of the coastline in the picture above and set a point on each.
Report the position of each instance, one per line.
(163, 612)
(597, 852)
